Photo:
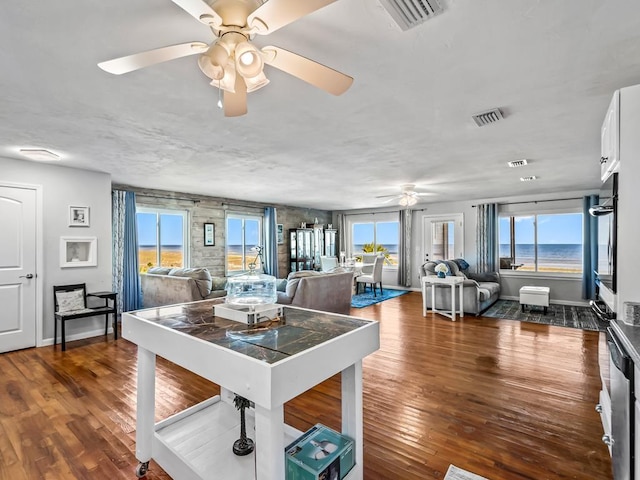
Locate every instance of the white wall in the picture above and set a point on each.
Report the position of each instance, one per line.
(62, 187)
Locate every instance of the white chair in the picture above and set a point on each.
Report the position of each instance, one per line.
(374, 278)
(368, 260)
(328, 263)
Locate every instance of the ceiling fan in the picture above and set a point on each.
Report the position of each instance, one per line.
(407, 196)
(231, 61)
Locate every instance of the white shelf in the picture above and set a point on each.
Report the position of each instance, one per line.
(197, 443)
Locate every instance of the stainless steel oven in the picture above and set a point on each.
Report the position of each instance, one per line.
(621, 440)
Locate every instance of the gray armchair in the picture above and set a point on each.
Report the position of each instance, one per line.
(481, 290)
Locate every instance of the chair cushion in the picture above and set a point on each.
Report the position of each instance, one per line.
(201, 276)
(70, 301)
(294, 278)
(487, 289)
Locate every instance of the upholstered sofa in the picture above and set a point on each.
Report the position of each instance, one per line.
(326, 291)
(481, 290)
(166, 286)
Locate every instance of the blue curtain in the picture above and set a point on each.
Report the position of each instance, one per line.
(589, 247)
(487, 237)
(125, 276)
(404, 248)
(271, 241)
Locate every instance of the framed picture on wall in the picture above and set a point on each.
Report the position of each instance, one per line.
(78, 252)
(209, 234)
(78, 216)
(280, 234)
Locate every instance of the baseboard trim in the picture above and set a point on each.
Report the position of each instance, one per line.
(79, 336)
(557, 302)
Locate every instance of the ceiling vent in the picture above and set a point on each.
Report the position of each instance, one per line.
(528, 179)
(517, 163)
(488, 117)
(411, 13)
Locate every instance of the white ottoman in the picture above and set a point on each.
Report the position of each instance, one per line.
(538, 296)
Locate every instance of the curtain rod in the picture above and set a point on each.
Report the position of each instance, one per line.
(537, 201)
(163, 197)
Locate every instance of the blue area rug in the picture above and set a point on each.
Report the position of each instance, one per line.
(365, 299)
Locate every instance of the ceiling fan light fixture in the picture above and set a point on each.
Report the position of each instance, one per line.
(213, 61)
(249, 63)
(255, 83)
(407, 200)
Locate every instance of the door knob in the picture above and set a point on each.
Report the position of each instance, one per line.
(28, 275)
(607, 440)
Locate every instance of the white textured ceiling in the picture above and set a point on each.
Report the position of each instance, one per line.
(550, 65)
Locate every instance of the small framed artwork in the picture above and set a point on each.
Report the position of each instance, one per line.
(280, 234)
(78, 252)
(209, 234)
(78, 216)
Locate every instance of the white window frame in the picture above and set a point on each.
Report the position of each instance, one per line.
(370, 218)
(185, 229)
(243, 217)
(535, 213)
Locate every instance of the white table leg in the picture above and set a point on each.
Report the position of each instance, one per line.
(433, 297)
(424, 299)
(352, 423)
(145, 411)
(270, 443)
(453, 302)
(460, 301)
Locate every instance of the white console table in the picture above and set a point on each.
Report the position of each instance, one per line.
(433, 281)
(268, 366)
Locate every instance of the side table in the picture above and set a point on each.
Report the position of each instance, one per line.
(433, 281)
(109, 296)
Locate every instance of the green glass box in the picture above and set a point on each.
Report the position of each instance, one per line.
(319, 454)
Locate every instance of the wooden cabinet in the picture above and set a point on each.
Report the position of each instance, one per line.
(301, 249)
(610, 139)
(330, 243)
(307, 245)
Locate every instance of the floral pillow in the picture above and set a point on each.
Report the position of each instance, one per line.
(70, 301)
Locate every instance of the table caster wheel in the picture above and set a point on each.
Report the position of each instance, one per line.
(142, 469)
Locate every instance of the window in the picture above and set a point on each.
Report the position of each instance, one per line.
(381, 236)
(162, 238)
(541, 242)
(244, 232)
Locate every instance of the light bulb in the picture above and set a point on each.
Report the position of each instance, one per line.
(247, 58)
(219, 103)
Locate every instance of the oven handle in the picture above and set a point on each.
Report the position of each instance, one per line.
(619, 356)
(597, 310)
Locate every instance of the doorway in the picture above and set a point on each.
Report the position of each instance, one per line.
(18, 278)
(442, 237)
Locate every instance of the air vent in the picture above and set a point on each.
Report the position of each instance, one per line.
(528, 179)
(411, 13)
(517, 163)
(485, 118)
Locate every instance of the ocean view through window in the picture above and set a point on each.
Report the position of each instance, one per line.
(162, 238)
(244, 233)
(549, 243)
(379, 237)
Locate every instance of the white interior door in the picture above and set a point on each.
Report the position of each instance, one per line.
(442, 237)
(17, 268)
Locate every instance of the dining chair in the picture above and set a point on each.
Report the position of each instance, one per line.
(328, 263)
(374, 278)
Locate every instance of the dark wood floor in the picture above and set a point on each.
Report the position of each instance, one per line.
(503, 399)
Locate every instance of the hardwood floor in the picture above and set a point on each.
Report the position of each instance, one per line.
(503, 399)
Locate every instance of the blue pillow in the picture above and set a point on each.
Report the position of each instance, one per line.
(462, 263)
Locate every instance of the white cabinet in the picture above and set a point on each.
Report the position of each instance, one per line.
(610, 139)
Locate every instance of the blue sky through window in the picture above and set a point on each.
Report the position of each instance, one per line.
(552, 229)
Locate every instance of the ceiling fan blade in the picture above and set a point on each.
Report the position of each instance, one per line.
(235, 104)
(389, 196)
(275, 14)
(127, 64)
(200, 10)
(314, 73)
